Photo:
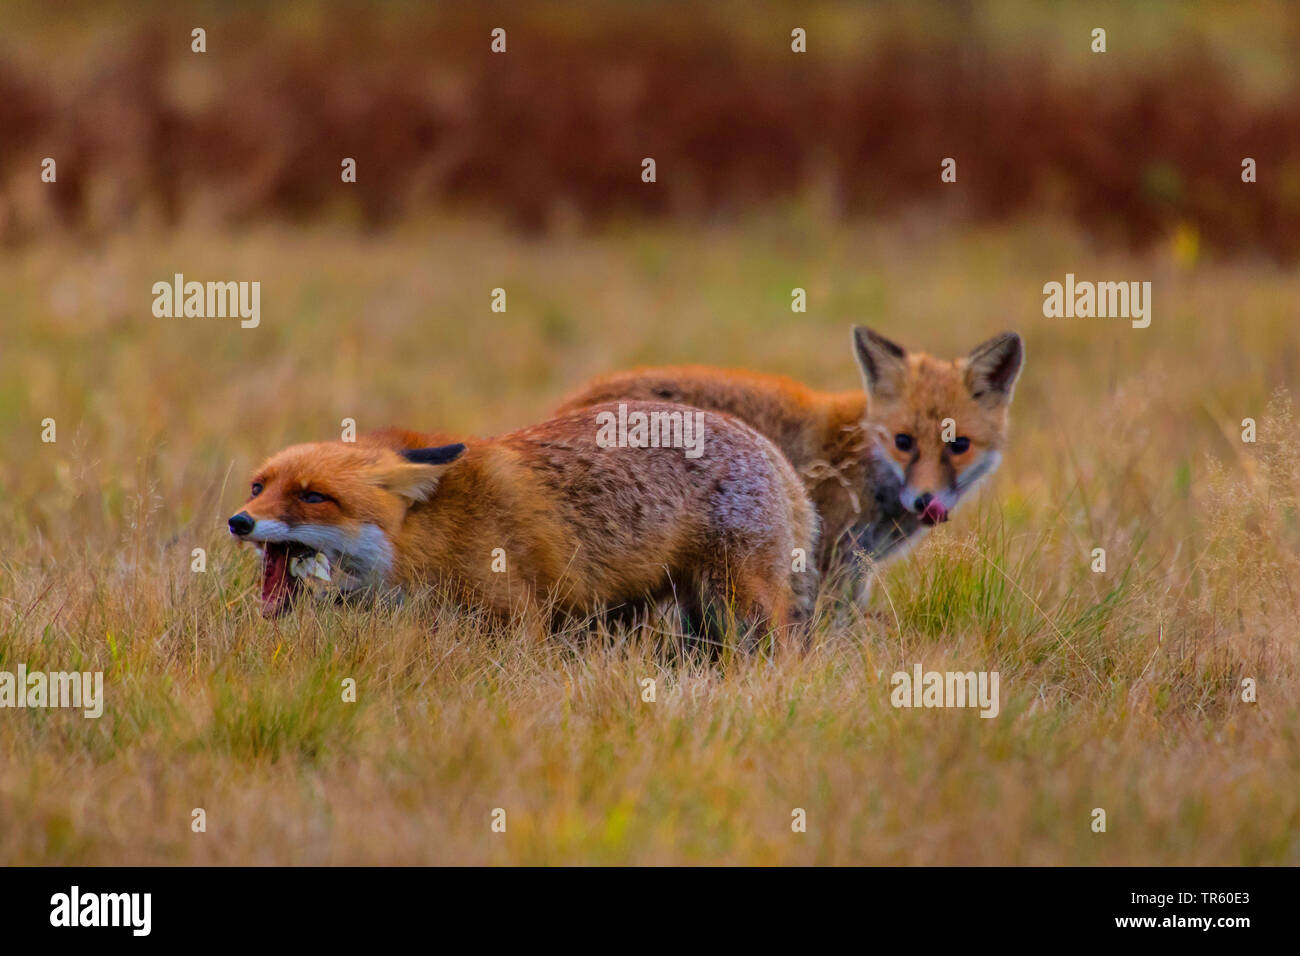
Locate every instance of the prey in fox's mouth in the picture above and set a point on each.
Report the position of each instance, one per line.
(288, 569)
(311, 559)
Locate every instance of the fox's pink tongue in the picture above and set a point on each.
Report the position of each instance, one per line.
(934, 512)
(275, 580)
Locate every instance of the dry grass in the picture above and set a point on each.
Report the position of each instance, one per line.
(1118, 690)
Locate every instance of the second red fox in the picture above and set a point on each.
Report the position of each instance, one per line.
(880, 465)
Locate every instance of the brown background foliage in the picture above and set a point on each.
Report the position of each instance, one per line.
(552, 134)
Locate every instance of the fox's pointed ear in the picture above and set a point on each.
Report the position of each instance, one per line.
(416, 479)
(883, 362)
(441, 455)
(993, 367)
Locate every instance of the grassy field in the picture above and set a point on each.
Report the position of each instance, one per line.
(1120, 690)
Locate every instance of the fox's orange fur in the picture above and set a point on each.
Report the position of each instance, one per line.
(580, 527)
(869, 492)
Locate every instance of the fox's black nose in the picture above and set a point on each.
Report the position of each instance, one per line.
(918, 505)
(241, 524)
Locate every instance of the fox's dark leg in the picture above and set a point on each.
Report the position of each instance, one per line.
(626, 615)
(703, 620)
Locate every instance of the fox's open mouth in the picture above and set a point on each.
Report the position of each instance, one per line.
(286, 567)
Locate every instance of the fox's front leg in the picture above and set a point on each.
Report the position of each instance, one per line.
(882, 540)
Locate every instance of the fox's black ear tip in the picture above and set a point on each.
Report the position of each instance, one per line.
(441, 455)
(867, 339)
(1009, 339)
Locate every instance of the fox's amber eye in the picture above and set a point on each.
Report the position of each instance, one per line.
(257, 488)
(313, 497)
(903, 442)
(959, 445)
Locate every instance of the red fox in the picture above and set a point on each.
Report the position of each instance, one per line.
(879, 465)
(554, 515)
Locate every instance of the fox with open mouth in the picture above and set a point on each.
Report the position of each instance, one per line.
(543, 516)
(318, 512)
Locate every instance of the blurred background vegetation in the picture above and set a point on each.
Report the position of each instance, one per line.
(1133, 144)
